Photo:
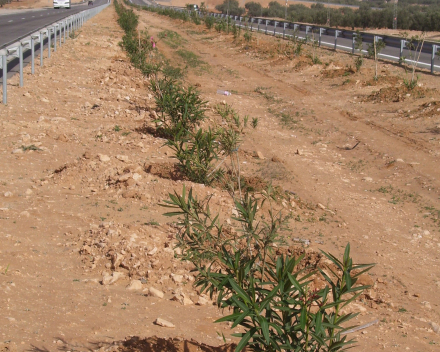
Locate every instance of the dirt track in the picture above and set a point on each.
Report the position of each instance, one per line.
(67, 206)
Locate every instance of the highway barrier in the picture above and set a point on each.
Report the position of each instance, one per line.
(397, 49)
(54, 34)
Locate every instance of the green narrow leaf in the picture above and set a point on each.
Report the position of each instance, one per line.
(244, 340)
(264, 328)
(303, 319)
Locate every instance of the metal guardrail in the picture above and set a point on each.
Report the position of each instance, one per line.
(59, 31)
(390, 41)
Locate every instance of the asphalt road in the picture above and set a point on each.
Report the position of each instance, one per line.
(17, 25)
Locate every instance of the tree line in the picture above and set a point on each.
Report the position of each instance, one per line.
(409, 16)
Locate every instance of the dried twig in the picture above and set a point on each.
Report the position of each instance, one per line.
(350, 148)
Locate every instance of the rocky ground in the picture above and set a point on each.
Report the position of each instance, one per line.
(87, 257)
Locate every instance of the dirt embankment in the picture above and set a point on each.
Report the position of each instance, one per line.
(87, 259)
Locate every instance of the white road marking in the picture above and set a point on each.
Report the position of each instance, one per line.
(10, 21)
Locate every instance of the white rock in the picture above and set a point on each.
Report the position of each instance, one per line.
(435, 327)
(177, 278)
(8, 194)
(111, 279)
(202, 301)
(153, 251)
(123, 158)
(367, 179)
(134, 285)
(321, 206)
(125, 177)
(187, 301)
(25, 214)
(29, 192)
(163, 323)
(103, 158)
(44, 100)
(136, 176)
(18, 151)
(155, 292)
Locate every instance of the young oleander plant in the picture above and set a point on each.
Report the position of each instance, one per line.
(266, 294)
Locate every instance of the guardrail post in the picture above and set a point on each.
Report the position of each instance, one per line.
(321, 30)
(336, 38)
(434, 52)
(284, 29)
(307, 33)
(258, 28)
(274, 28)
(55, 37)
(61, 29)
(41, 47)
(20, 59)
(5, 78)
(267, 22)
(252, 22)
(49, 34)
(402, 46)
(33, 52)
(353, 41)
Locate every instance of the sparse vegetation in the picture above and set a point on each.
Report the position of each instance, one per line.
(269, 296)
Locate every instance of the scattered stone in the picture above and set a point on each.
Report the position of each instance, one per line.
(275, 159)
(202, 301)
(123, 158)
(258, 155)
(25, 214)
(134, 285)
(125, 177)
(177, 278)
(103, 158)
(426, 305)
(321, 206)
(129, 194)
(136, 176)
(117, 258)
(8, 194)
(63, 138)
(155, 292)
(153, 251)
(18, 151)
(44, 100)
(367, 179)
(163, 323)
(29, 192)
(435, 327)
(111, 279)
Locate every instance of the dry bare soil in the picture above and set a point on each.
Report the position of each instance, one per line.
(85, 246)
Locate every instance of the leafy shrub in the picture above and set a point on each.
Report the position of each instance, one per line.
(128, 20)
(209, 21)
(196, 152)
(270, 298)
(195, 17)
(247, 36)
(180, 109)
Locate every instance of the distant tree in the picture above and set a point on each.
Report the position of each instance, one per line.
(234, 8)
(253, 8)
(274, 9)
